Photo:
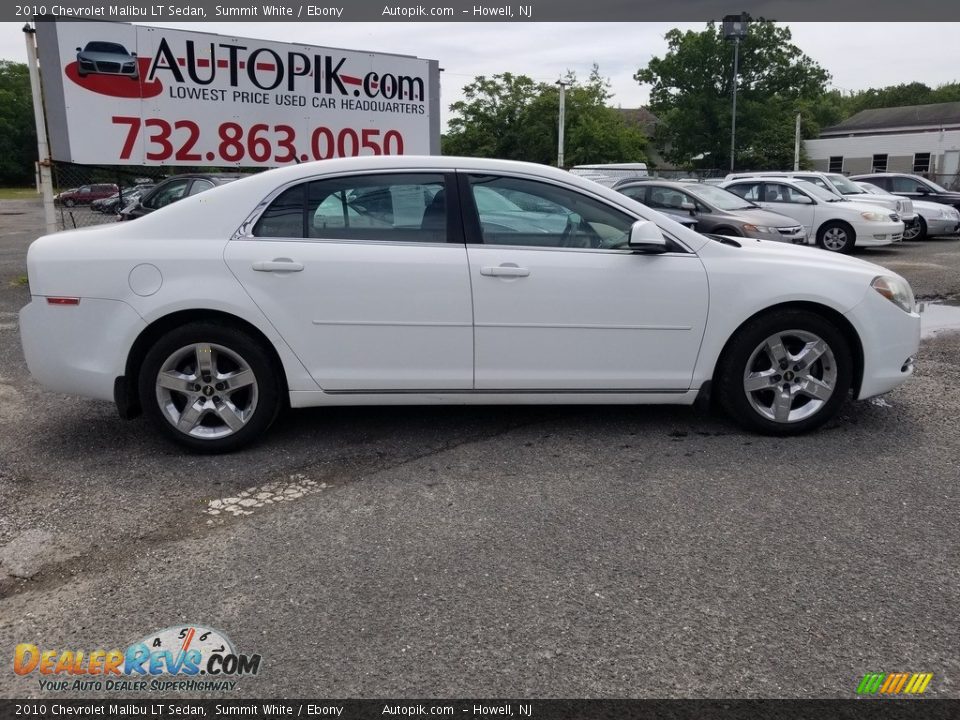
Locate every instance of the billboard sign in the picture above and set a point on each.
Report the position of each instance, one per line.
(121, 94)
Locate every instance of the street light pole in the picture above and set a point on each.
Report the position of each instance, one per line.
(561, 122)
(733, 117)
(735, 28)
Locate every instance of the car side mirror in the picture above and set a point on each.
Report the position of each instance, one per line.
(804, 200)
(645, 237)
(79, 49)
(133, 54)
(923, 190)
(688, 206)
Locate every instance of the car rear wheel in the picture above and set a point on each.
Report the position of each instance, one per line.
(836, 237)
(209, 387)
(785, 373)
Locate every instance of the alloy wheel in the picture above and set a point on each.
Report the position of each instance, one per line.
(790, 376)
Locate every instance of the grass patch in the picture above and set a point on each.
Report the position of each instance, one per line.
(19, 281)
(18, 194)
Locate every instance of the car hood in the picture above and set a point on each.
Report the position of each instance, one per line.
(793, 255)
(763, 217)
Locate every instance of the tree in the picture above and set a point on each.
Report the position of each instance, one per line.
(18, 136)
(692, 91)
(513, 117)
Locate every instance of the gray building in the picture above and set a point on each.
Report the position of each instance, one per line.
(920, 139)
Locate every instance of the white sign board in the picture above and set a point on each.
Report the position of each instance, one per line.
(119, 94)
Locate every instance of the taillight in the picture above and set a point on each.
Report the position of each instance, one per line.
(63, 301)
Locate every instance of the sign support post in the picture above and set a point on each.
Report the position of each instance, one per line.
(43, 146)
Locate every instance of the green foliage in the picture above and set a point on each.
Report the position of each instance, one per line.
(692, 92)
(513, 117)
(18, 137)
(915, 93)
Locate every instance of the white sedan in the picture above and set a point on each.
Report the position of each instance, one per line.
(833, 222)
(934, 218)
(378, 281)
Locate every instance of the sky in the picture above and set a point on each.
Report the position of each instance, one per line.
(857, 55)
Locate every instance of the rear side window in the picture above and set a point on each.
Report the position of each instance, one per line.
(166, 194)
(748, 191)
(399, 207)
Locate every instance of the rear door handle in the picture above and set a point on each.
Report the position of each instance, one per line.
(277, 265)
(505, 271)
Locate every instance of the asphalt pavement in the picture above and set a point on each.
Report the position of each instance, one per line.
(489, 552)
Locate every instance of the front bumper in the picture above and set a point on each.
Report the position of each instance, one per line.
(890, 339)
(879, 233)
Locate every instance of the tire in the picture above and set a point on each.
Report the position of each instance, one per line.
(223, 419)
(921, 233)
(760, 386)
(836, 236)
(69, 203)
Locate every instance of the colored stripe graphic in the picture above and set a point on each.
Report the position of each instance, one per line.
(894, 683)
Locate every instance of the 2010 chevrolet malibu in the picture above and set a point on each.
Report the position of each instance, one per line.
(427, 280)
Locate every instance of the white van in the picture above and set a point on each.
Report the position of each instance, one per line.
(609, 174)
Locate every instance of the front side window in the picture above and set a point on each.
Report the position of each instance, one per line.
(408, 208)
(908, 185)
(777, 193)
(199, 186)
(169, 193)
(544, 215)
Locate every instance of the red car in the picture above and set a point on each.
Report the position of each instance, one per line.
(86, 194)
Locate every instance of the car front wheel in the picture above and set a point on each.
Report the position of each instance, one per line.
(836, 237)
(209, 387)
(786, 373)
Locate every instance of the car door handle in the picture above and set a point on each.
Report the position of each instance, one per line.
(504, 271)
(277, 265)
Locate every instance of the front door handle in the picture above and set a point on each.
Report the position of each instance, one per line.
(277, 265)
(505, 271)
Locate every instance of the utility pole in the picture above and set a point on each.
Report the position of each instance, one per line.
(735, 28)
(561, 122)
(796, 145)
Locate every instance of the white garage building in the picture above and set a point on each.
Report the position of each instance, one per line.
(921, 139)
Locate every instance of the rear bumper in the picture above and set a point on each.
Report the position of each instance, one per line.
(78, 349)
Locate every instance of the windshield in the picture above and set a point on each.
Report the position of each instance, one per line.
(933, 185)
(719, 198)
(105, 47)
(818, 192)
(845, 186)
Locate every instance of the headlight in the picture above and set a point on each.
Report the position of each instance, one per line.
(896, 290)
(758, 228)
(875, 216)
(899, 206)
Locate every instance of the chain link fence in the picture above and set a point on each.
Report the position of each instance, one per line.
(86, 195)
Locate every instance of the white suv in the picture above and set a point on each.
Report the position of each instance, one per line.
(849, 190)
(833, 223)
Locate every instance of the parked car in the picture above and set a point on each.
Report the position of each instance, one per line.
(85, 194)
(714, 209)
(847, 189)
(173, 189)
(113, 203)
(833, 223)
(912, 186)
(933, 218)
(608, 174)
(106, 58)
(211, 314)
